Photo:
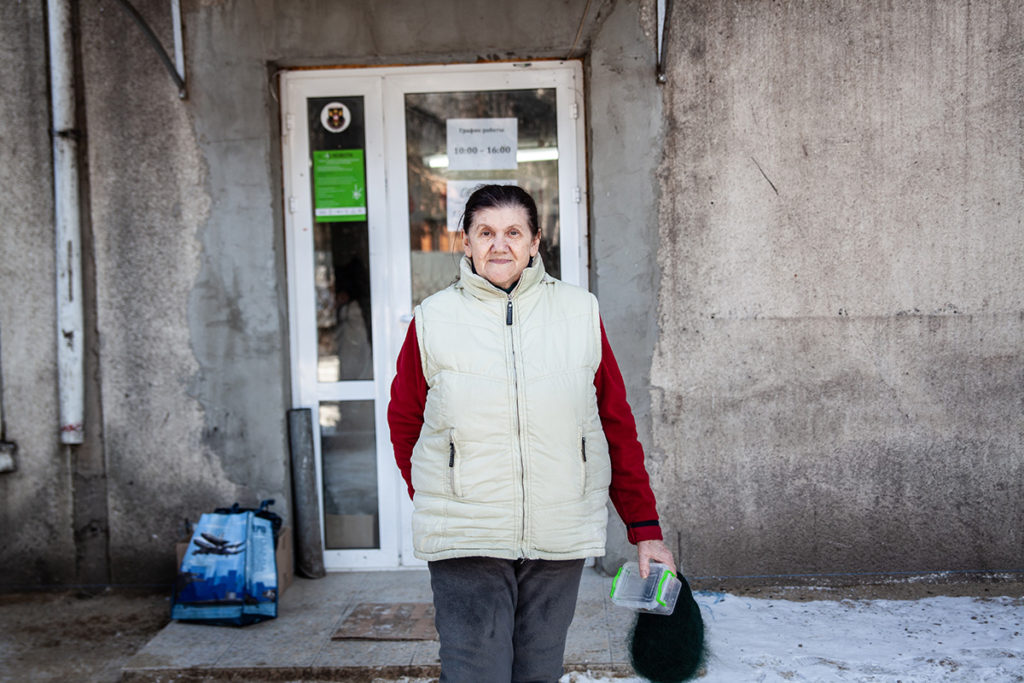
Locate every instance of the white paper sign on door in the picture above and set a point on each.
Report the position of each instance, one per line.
(483, 144)
(458, 192)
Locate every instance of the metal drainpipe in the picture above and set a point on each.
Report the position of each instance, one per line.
(70, 366)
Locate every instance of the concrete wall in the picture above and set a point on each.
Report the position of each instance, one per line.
(150, 204)
(838, 378)
(626, 135)
(187, 320)
(806, 245)
(35, 505)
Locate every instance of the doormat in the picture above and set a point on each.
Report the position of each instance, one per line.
(389, 621)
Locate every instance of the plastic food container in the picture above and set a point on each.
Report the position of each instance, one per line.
(656, 594)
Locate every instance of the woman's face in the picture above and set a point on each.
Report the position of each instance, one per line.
(500, 244)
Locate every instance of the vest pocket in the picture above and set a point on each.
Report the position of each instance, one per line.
(454, 480)
(582, 441)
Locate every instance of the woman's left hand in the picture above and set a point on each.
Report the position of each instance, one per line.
(657, 551)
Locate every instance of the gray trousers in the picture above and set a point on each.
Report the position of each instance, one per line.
(503, 620)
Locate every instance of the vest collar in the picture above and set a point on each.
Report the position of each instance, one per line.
(481, 288)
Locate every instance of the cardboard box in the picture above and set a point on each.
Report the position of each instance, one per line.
(285, 555)
(285, 559)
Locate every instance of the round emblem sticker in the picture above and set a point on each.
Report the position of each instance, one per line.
(335, 117)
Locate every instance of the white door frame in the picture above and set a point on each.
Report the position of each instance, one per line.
(383, 90)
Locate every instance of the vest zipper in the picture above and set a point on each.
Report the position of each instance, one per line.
(451, 465)
(519, 427)
(583, 465)
(453, 479)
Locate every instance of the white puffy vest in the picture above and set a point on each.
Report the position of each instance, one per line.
(512, 461)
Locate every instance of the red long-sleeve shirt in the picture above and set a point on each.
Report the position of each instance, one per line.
(630, 489)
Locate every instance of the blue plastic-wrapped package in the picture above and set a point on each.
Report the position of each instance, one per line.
(229, 572)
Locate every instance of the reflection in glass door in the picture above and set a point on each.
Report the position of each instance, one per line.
(439, 186)
(348, 451)
(377, 167)
(341, 277)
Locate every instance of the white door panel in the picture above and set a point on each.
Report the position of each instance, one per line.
(344, 339)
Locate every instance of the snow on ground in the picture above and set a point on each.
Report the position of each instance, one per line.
(959, 639)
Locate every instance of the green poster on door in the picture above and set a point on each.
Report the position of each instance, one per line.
(339, 185)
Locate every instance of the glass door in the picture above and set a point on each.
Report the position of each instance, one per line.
(462, 126)
(442, 172)
(378, 166)
(336, 218)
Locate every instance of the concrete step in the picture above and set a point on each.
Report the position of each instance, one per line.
(297, 646)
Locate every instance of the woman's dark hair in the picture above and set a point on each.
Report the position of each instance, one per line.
(498, 196)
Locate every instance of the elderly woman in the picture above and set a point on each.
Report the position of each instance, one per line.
(510, 425)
